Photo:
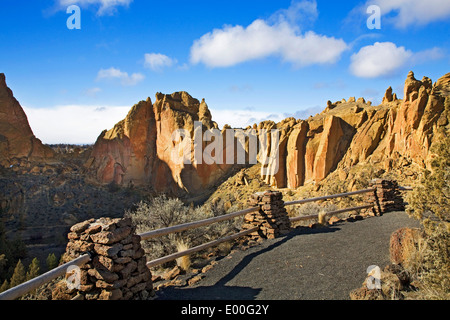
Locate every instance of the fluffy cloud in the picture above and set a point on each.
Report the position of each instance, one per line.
(61, 124)
(247, 117)
(104, 6)
(379, 59)
(157, 61)
(125, 79)
(232, 45)
(412, 12)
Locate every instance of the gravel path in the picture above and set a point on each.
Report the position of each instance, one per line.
(317, 264)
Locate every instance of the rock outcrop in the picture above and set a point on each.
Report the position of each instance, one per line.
(17, 140)
(140, 149)
(143, 150)
(353, 131)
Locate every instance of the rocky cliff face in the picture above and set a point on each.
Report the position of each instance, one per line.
(350, 132)
(140, 150)
(16, 137)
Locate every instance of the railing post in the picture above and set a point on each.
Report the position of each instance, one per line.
(271, 218)
(386, 197)
(118, 268)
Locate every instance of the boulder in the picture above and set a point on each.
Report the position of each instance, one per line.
(403, 244)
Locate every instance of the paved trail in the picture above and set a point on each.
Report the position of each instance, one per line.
(315, 264)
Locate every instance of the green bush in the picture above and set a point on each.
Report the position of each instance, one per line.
(430, 203)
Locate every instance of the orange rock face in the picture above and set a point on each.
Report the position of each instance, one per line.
(348, 133)
(142, 149)
(16, 137)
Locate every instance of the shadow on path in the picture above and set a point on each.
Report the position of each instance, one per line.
(220, 291)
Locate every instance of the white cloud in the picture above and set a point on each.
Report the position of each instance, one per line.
(413, 12)
(82, 124)
(92, 92)
(76, 124)
(104, 6)
(379, 59)
(299, 13)
(157, 61)
(242, 118)
(125, 79)
(428, 55)
(232, 45)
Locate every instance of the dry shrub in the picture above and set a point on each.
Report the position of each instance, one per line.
(185, 261)
(428, 264)
(162, 212)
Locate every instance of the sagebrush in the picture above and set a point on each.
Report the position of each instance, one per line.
(162, 211)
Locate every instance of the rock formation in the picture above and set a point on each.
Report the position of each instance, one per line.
(141, 149)
(16, 137)
(353, 131)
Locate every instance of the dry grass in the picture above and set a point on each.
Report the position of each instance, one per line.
(311, 208)
(184, 262)
(322, 217)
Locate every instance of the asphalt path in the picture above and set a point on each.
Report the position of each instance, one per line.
(307, 264)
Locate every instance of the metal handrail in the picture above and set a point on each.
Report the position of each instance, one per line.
(23, 288)
(16, 292)
(192, 225)
(314, 216)
(340, 195)
(207, 245)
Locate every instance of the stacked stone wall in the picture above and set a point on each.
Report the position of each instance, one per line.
(117, 270)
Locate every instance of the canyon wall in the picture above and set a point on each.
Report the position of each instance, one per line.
(140, 148)
(17, 140)
(350, 132)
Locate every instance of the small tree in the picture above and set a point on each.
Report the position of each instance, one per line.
(19, 275)
(33, 269)
(5, 286)
(52, 262)
(430, 201)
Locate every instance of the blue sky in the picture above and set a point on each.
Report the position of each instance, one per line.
(251, 60)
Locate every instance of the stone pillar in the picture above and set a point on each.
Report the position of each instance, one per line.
(271, 218)
(386, 197)
(118, 268)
